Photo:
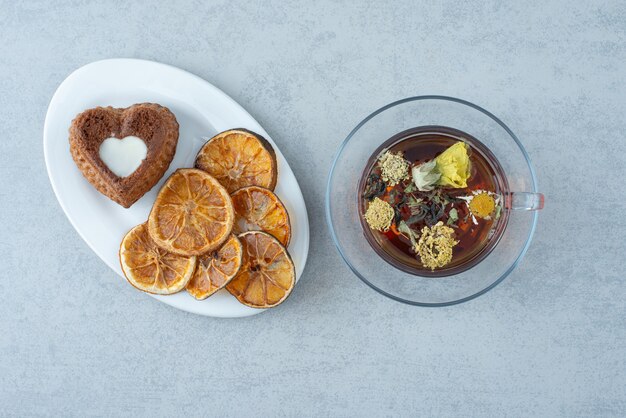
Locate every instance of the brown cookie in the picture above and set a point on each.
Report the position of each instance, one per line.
(154, 124)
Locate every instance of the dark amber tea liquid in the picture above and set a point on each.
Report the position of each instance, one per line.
(423, 144)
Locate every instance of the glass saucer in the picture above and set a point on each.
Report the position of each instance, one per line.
(342, 213)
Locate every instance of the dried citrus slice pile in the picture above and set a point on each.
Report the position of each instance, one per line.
(192, 214)
(215, 269)
(238, 158)
(267, 274)
(190, 242)
(150, 268)
(259, 209)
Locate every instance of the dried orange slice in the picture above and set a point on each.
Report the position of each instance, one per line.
(150, 268)
(215, 269)
(267, 274)
(239, 158)
(192, 214)
(259, 209)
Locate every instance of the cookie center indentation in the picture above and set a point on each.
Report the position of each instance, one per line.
(123, 156)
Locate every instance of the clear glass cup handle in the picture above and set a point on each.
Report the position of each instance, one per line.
(524, 201)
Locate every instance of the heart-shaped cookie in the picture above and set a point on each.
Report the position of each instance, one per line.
(106, 144)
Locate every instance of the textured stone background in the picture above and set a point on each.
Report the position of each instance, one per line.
(75, 339)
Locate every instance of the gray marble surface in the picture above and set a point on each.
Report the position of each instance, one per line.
(76, 340)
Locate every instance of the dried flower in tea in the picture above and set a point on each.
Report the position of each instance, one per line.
(379, 215)
(435, 245)
(425, 176)
(454, 166)
(482, 205)
(394, 168)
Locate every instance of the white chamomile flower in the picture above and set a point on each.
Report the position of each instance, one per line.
(483, 204)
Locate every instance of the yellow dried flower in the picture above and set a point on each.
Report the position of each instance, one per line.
(394, 168)
(379, 215)
(454, 166)
(435, 245)
(482, 205)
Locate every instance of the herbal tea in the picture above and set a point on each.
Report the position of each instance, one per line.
(431, 201)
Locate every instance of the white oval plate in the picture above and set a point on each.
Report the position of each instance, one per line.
(202, 111)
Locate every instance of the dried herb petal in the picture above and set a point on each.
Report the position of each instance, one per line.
(375, 187)
(404, 229)
(413, 219)
(410, 188)
(453, 214)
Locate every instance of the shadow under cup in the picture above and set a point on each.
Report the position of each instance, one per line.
(495, 261)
